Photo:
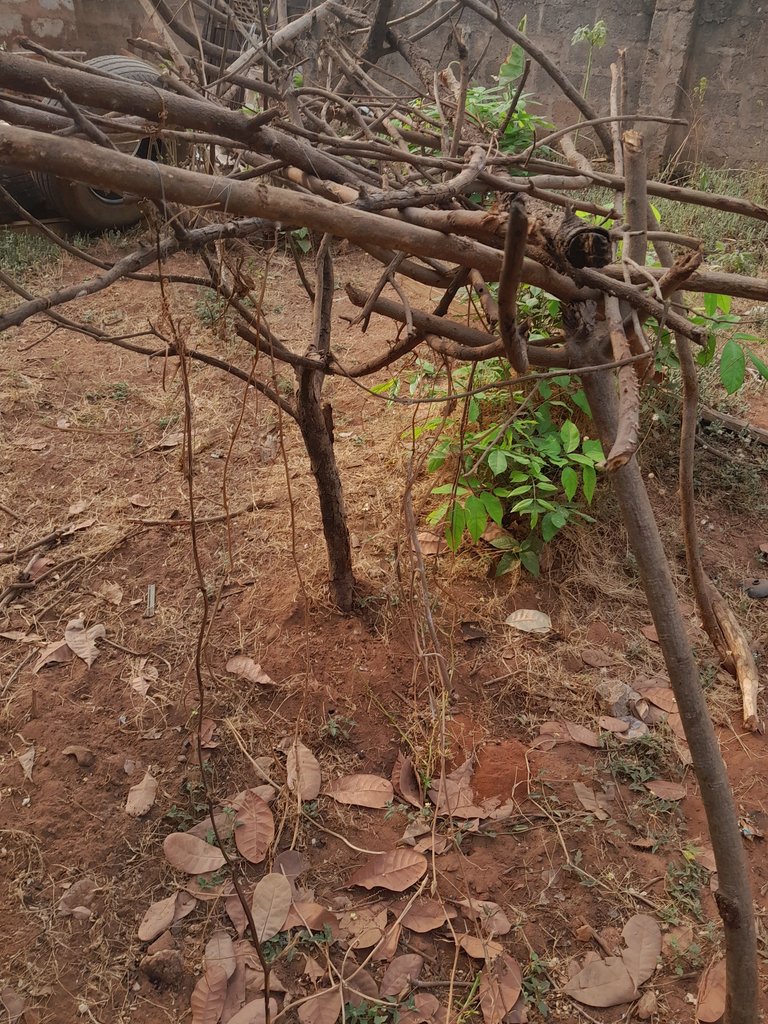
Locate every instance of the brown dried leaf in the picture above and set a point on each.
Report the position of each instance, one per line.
(387, 948)
(426, 914)
(710, 1002)
(192, 855)
(597, 659)
(140, 500)
(157, 918)
(602, 983)
(80, 894)
(254, 828)
(59, 651)
(314, 916)
(220, 952)
(141, 797)
(322, 1008)
(596, 803)
(650, 633)
(38, 566)
(20, 636)
(666, 790)
(82, 755)
(477, 948)
(500, 985)
(270, 905)
(431, 544)
(580, 734)
(303, 770)
(396, 871)
(406, 782)
(611, 724)
(254, 1012)
(290, 863)
(643, 938)
(358, 986)
(489, 915)
(207, 887)
(312, 969)
(663, 697)
(425, 1010)
(27, 761)
(361, 791)
(246, 668)
(236, 914)
(82, 641)
(365, 927)
(208, 997)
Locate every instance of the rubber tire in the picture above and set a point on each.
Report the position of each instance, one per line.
(23, 187)
(80, 203)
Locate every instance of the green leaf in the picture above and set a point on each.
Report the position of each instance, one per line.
(438, 515)
(724, 303)
(507, 562)
(548, 527)
(732, 366)
(570, 481)
(454, 528)
(707, 354)
(593, 450)
(710, 304)
(569, 433)
(759, 365)
(493, 506)
(530, 562)
(580, 400)
(497, 461)
(588, 482)
(435, 462)
(476, 517)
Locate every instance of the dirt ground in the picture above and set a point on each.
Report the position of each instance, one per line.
(90, 448)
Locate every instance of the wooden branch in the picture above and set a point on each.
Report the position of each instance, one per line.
(509, 283)
(746, 668)
(628, 429)
(81, 161)
(635, 212)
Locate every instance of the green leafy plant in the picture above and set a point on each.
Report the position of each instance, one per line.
(372, 1013)
(210, 308)
(530, 473)
(337, 727)
(595, 37)
(22, 252)
(536, 984)
(489, 106)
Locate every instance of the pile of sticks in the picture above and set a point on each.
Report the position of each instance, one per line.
(304, 124)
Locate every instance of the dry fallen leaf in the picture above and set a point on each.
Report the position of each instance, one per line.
(663, 697)
(424, 915)
(314, 916)
(59, 651)
(396, 871)
(489, 916)
(530, 620)
(387, 948)
(20, 636)
(666, 790)
(500, 985)
(710, 1002)
(611, 724)
(208, 997)
(358, 987)
(236, 914)
(270, 904)
(141, 797)
(580, 734)
(322, 1008)
(139, 500)
(246, 668)
(303, 771)
(82, 755)
(254, 1012)
(361, 791)
(161, 915)
(39, 565)
(406, 782)
(431, 544)
(596, 803)
(290, 863)
(144, 676)
(14, 1004)
(602, 983)
(77, 897)
(643, 938)
(27, 761)
(425, 1007)
(82, 641)
(365, 927)
(649, 632)
(477, 948)
(254, 828)
(597, 659)
(220, 952)
(192, 855)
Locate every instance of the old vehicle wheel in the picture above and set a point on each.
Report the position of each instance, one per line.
(99, 209)
(23, 188)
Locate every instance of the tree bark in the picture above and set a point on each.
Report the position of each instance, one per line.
(734, 898)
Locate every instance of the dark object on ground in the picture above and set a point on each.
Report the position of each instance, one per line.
(99, 209)
(757, 589)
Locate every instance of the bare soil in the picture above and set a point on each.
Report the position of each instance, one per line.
(84, 429)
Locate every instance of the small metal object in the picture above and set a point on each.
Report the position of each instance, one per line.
(151, 595)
